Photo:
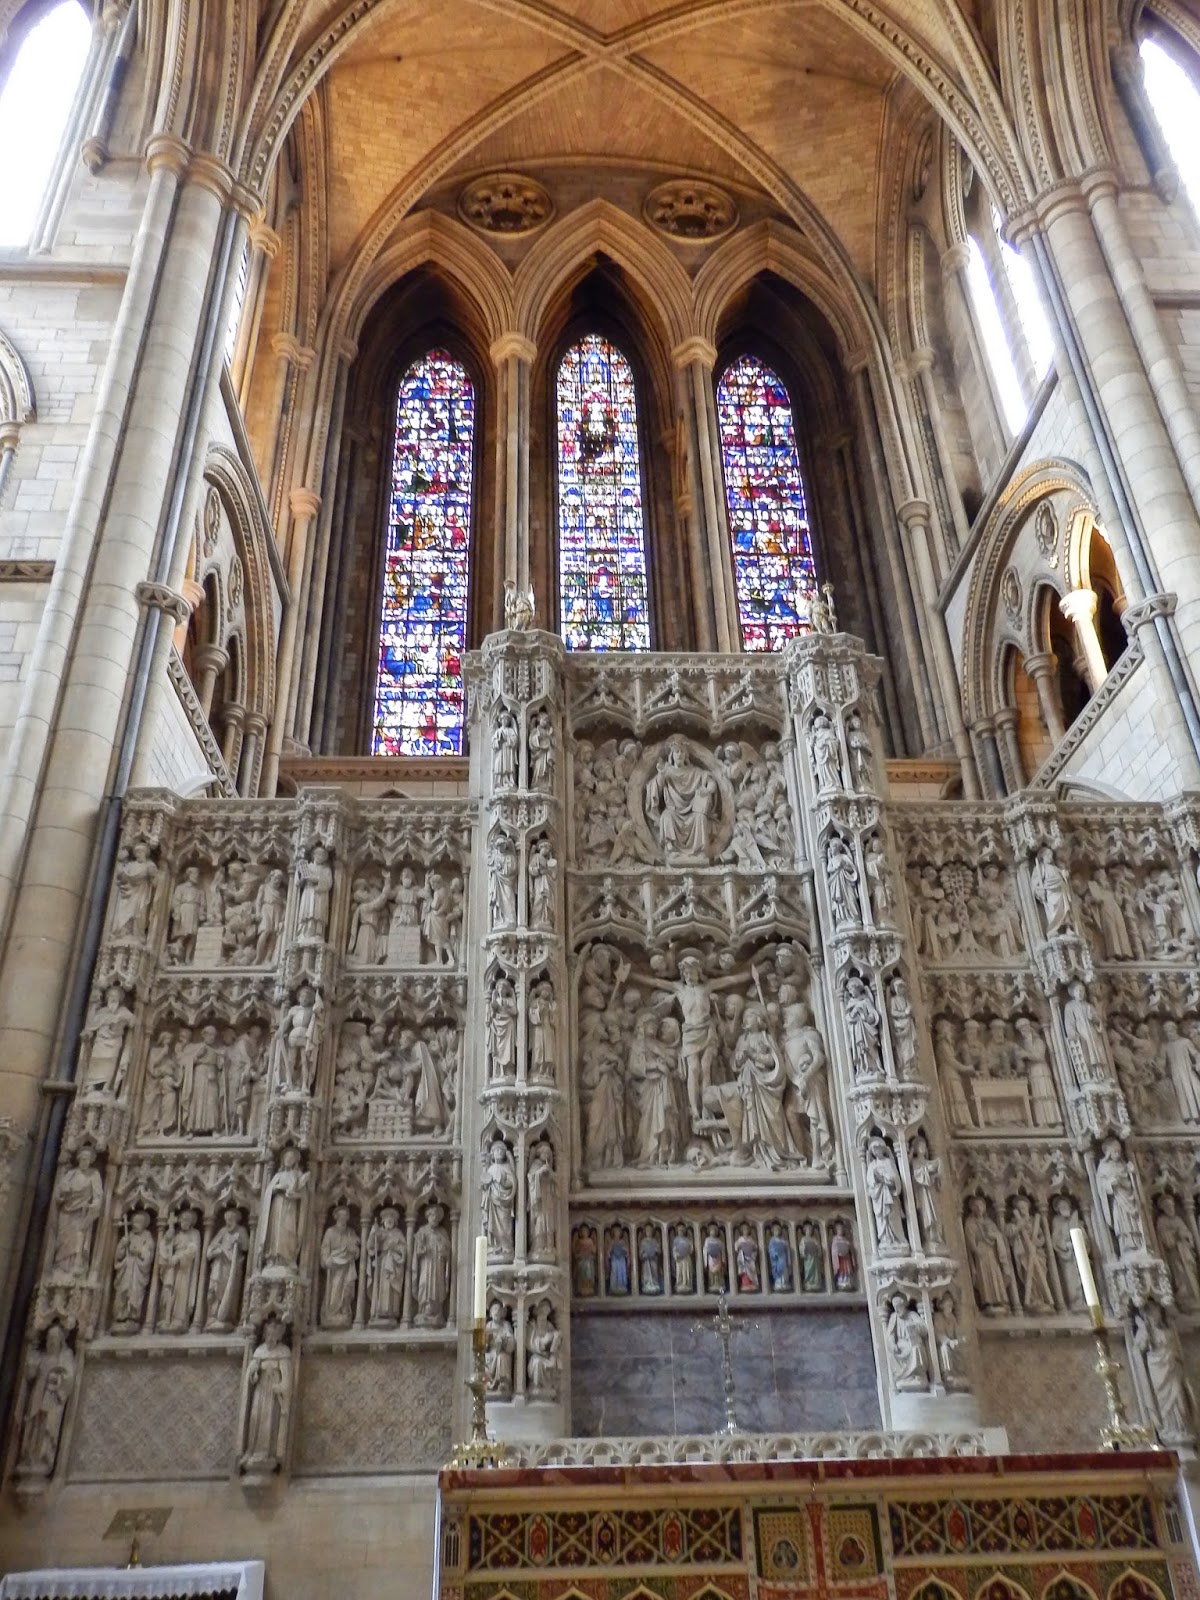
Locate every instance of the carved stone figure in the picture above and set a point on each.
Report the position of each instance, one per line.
(502, 881)
(187, 913)
(505, 744)
(78, 1202)
(682, 804)
(499, 1344)
(858, 743)
(617, 1266)
(991, 1268)
(227, 1254)
(842, 877)
(543, 1343)
(269, 1382)
(951, 1344)
(862, 1020)
(907, 1344)
(499, 1196)
(927, 1180)
(1103, 911)
(826, 754)
(49, 1378)
(270, 909)
(683, 1260)
(541, 752)
(779, 1261)
(315, 878)
(884, 1189)
(106, 1040)
(1085, 1036)
(699, 1042)
(762, 1081)
(1027, 1245)
(133, 1262)
(542, 1014)
(1066, 1216)
(205, 1091)
(431, 1269)
(541, 1189)
(842, 1259)
(134, 878)
(1116, 1185)
(878, 887)
(178, 1273)
(283, 1212)
(502, 1030)
(541, 885)
(339, 1263)
(994, 919)
(1178, 1250)
(1183, 1062)
(387, 1257)
(1052, 891)
(584, 1262)
(246, 1072)
(951, 1074)
(299, 1032)
(1034, 1058)
(1162, 1358)
(903, 1026)
(162, 1086)
(369, 922)
(745, 1261)
(714, 1260)
(437, 916)
(650, 1272)
(807, 1068)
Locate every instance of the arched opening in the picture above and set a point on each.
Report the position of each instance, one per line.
(1074, 692)
(38, 84)
(1110, 600)
(1175, 101)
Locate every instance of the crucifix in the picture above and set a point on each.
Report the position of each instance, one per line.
(722, 1325)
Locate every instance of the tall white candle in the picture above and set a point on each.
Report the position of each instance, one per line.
(480, 1308)
(1084, 1262)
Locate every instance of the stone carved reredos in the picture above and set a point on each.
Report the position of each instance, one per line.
(505, 203)
(680, 803)
(696, 213)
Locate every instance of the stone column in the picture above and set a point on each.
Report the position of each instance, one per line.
(513, 355)
(263, 244)
(1009, 748)
(921, 364)
(304, 503)
(1079, 608)
(706, 514)
(209, 662)
(922, 1318)
(1042, 668)
(954, 272)
(516, 1074)
(255, 726)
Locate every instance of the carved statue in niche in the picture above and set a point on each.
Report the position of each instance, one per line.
(698, 1044)
(745, 1260)
(541, 1189)
(541, 751)
(162, 1086)
(205, 1090)
(991, 1267)
(134, 878)
(188, 908)
(994, 921)
(779, 1261)
(339, 1264)
(951, 1343)
(178, 1272)
(541, 885)
(369, 922)
(387, 1089)
(502, 1030)
(1161, 902)
(1105, 918)
(499, 1345)
(825, 749)
(269, 1381)
(49, 1379)
(714, 1260)
(762, 834)
(862, 1019)
(405, 926)
(505, 745)
(387, 1257)
(1178, 1250)
(812, 1269)
(762, 1081)
(926, 1172)
(617, 1262)
(1029, 1253)
(542, 1014)
(1034, 1057)
(437, 919)
(1066, 1216)
(75, 1211)
(227, 1252)
(650, 1269)
(298, 1035)
(106, 1036)
(843, 1259)
(842, 877)
(951, 1073)
(683, 1260)
(1117, 1188)
(502, 882)
(682, 804)
(884, 1189)
(878, 887)
(858, 743)
(584, 1262)
(1085, 1036)
(1139, 1061)
(245, 891)
(808, 1073)
(1052, 891)
(903, 1026)
(1183, 1063)
(543, 1343)
(1162, 1359)
(247, 1073)
(283, 1212)
(270, 909)
(906, 1338)
(315, 878)
(431, 1269)
(133, 1263)
(498, 1197)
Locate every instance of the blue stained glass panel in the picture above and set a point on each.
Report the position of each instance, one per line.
(601, 537)
(768, 517)
(423, 631)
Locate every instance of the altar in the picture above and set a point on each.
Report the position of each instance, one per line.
(1078, 1527)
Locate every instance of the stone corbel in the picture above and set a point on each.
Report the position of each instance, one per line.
(161, 597)
(1148, 611)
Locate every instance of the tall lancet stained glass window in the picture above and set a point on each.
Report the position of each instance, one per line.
(601, 530)
(768, 517)
(423, 632)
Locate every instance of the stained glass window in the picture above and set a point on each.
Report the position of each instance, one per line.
(768, 517)
(601, 538)
(419, 697)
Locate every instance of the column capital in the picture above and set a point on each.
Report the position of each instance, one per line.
(512, 344)
(921, 360)
(211, 657)
(289, 347)
(1135, 617)
(694, 348)
(914, 513)
(956, 257)
(213, 175)
(1005, 718)
(233, 715)
(167, 152)
(1079, 605)
(264, 239)
(255, 724)
(161, 597)
(1041, 665)
(304, 504)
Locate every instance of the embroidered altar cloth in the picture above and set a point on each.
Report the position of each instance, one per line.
(244, 1579)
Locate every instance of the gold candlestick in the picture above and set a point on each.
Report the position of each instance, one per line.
(1120, 1434)
(480, 1450)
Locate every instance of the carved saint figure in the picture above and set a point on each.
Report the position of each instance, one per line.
(681, 802)
(927, 1180)
(502, 881)
(387, 1257)
(617, 1276)
(762, 1081)
(1066, 1216)
(269, 1381)
(78, 1201)
(431, 1269)
(1034, 1057)
(164, 1082)
(842, 876)
(880, 891)
(904, 1027)
(505, 742)
(1052, 890)
(826, 754)
(991, 1268)
(1103, 911)
(1085, 1035)
(50, 1377)
(133, 1262)
(650, 1260)
(299, 1028)
(951, 1073)
(315, 878)
(779, 1261)
(808, 1072)
(714, 1260)
(227, 1254)
(499, 1195)
(584, 1254)
(1117, 1188)
(339, 1263)
(437, 918)
(283, 1212)
(1158, 1345)
(951, 1346)
(499, 1344)
(541, 885)
(543, 1343)
(106, 1039)
(842, 1259)
(883, 1191)
(133, 890)
(862, 1027)
(1183, 1063)
(502, 1030)
(1178, 1250)
(270, 908)
(683, 1260)
(368, 922)
(907, 1347)
(540, 1185)
(541, 752)
(187, 913)
(858, 742)
(1027, 1246)
(178, 1273)
(699, 1040)
(542, 1012)
(745, 1261)
(204, 1086)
